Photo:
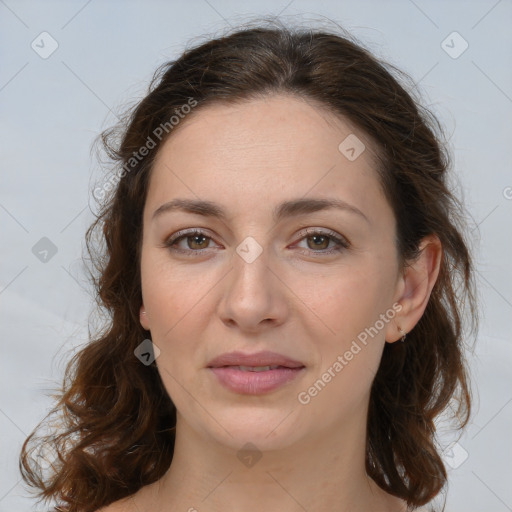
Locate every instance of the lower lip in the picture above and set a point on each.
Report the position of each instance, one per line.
(255, 383)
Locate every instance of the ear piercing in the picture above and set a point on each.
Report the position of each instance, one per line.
(403, 333)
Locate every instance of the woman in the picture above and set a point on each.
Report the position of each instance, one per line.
(285, 273)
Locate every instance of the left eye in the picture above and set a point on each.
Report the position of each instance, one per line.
(321, 240)
(317, 241)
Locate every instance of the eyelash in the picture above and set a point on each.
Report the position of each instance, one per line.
(342, 243)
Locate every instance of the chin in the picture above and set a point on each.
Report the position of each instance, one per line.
(270, 430)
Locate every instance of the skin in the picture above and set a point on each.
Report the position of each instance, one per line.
(248, 158)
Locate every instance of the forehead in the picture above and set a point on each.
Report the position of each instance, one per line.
(268, 148)
(279, 122)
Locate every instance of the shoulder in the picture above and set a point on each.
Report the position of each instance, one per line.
(130, 503)
(122, 505)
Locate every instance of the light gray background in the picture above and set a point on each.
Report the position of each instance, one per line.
(51, 109)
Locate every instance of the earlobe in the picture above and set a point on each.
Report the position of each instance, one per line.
(418, 280)
(143, 318)
(397, 334)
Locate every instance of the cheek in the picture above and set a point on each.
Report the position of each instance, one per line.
(345, 302)
(348, 331)
(175, 330)
(171, 294)
(176, 304)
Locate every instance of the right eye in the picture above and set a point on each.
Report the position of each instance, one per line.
(196, 241)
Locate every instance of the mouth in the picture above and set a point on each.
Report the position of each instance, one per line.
(260, 361)
(254, 381)
(255, 374)
(257, 368)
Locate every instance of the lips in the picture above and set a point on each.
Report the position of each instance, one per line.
(254, 362)
(254, 374)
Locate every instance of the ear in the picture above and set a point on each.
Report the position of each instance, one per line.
(143, 317)
(415, 286)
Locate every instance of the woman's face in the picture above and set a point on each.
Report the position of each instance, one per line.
(270, 275)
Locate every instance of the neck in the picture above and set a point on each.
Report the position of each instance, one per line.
(323, 472)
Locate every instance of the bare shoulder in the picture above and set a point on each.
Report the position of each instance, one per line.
(122, 505)
(133, 503)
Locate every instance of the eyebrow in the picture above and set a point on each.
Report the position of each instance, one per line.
(295, 207)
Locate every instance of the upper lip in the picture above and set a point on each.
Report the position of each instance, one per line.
(265, 358)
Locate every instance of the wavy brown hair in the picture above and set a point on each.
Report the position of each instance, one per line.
(116, 423)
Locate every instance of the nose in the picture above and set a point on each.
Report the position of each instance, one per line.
(254, 297)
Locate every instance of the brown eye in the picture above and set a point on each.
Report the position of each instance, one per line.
(197, 241)
(318, 241)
